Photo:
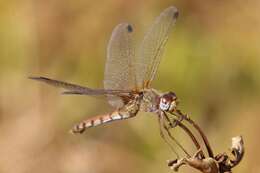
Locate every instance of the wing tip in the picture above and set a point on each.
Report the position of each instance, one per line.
(36, 77)
(39, 78)
(33, 77)
(124, 25)
(174, 11)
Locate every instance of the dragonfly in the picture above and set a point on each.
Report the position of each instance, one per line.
(129, 72)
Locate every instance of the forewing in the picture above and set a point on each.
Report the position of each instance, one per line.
(152, 46)
(119, 70)
(77, 89)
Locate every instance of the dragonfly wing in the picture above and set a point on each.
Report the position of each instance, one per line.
(77, 89)
(152, 46)
(119, 70)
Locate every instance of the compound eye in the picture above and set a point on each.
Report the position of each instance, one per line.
(164, 104)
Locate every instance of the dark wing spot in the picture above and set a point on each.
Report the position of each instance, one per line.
(176, 14)
(129, 28)
(174, 11)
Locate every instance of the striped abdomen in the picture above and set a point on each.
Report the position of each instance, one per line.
(99, 120)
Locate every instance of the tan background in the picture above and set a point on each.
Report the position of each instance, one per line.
(211, 62)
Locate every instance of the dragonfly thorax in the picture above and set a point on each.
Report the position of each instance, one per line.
(168, 101)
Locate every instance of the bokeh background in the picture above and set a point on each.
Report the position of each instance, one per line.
(211, 62)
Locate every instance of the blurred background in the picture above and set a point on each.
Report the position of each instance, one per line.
(211, 61)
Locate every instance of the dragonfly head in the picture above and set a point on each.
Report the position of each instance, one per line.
(168, 102)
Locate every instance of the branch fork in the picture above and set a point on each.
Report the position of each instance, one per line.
(220, 163)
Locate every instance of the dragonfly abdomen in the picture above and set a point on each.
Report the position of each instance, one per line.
(99, 120)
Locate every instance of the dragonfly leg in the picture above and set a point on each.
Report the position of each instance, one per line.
(167, 129)
(172, 123)
(161, 127)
